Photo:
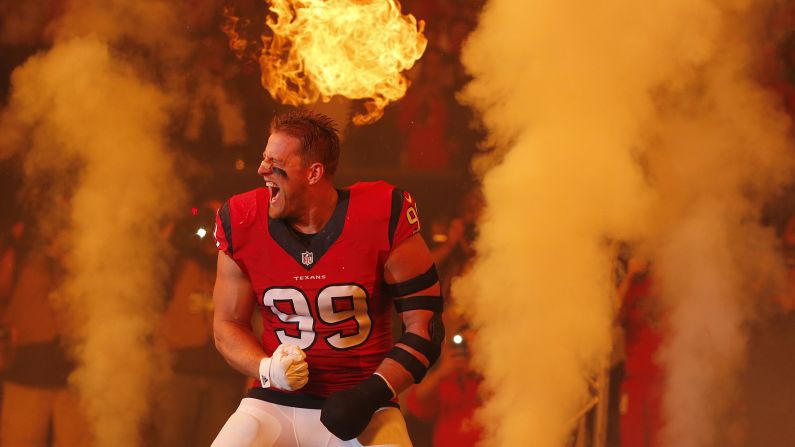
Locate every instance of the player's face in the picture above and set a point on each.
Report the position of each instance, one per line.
(285, 175)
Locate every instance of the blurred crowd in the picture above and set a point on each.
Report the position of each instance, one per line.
(40, 407)
(765, 396)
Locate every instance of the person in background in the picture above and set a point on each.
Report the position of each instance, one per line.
(196, 398)
(452, 379)
(38, 405)
(9, 252)
(766, 389)
(642, 317)
(10, 249)
(449, 395)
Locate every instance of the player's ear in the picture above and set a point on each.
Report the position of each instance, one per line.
(316, 172)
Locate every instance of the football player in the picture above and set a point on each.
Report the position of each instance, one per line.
(324, 267)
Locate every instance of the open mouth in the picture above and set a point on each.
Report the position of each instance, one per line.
(274, 190)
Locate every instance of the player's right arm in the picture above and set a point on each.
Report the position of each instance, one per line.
(233, 301)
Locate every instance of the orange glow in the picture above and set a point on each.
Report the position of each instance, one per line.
(354, 48)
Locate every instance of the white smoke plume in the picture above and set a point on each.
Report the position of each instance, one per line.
(93, 117)
(111, 124)
(723, 149)
(614, 120)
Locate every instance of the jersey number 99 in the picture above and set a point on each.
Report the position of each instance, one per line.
(328, 304)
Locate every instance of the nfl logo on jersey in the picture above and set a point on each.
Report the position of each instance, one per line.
(307, 258)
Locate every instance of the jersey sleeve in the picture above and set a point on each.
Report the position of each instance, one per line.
(223, 230)
(404, 221)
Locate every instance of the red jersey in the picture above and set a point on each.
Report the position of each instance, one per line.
(323, 295)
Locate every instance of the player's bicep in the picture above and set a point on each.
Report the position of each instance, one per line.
(410, 261)
(233, 298)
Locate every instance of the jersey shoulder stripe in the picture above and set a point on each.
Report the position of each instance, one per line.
(226, 226)
(237, 215)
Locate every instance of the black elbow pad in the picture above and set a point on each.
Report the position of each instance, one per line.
(430, 349)
(436, 331)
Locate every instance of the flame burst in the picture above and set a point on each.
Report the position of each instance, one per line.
(354, 48)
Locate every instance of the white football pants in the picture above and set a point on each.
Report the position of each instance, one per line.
(257, 423)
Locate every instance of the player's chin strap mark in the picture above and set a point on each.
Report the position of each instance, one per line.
(413, 285)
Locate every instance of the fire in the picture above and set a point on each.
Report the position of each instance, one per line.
(354, 48)
(236, 42)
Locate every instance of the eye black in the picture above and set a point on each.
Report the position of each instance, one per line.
(279, 171)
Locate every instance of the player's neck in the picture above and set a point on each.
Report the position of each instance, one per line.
(319, 211)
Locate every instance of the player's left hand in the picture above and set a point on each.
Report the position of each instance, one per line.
(346, 413)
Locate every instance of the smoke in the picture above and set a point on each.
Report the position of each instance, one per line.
(701, 283)
(723, 150)
(106, 125)
(614, 120)
(94, 117)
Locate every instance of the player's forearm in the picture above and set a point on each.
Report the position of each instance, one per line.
(398, 377)
(239, 346)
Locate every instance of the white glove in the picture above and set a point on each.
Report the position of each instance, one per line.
(285, 369)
